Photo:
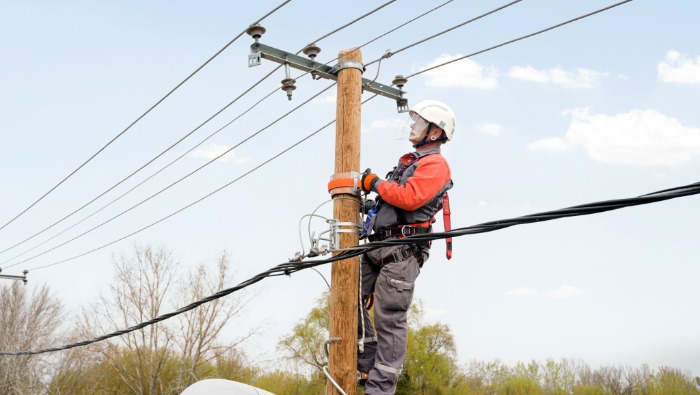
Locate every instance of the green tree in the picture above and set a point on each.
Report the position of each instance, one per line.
(303, 347)
(669, 381)
(430, 366)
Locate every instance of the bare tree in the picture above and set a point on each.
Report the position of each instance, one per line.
(27, 322)
(137, 294)
(162, 358)
(198, 337)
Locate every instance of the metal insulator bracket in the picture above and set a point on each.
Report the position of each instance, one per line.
(320, 70)
(401, 103)
(254, 59)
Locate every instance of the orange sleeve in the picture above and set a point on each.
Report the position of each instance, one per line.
(430, 176)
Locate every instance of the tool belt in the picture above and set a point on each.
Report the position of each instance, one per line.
(401, 255)
(401, 231)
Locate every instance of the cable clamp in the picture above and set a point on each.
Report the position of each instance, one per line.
(348, 183)
(347, 64)
(334, 231)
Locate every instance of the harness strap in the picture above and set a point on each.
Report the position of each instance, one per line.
(402, 231)
(448, 224)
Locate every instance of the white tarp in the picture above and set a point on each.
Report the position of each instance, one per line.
(222, 387)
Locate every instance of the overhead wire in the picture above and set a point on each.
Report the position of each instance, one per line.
(511, 41)
(145, 164)
(450, 29)
(142, 115)
(175, 144)
(198, 200)
(288, 268)
(180, 179)
(519, 38)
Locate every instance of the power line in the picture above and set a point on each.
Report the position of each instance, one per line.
(142, 167)
(140, 117)
(422, 41)
(201, 142)
(191, 204)
(198, 200)
(180, 179)
(175, 144)
(353, 21)
(132, 188)
(289, 268)
(452, 28)
(520, 38)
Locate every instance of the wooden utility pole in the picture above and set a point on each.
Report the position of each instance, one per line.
(345, 273)
(346, 210)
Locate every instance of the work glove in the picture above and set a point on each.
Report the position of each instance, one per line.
(369, 181)
(368, 205)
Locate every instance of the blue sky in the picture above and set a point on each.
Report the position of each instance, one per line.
(600, 109)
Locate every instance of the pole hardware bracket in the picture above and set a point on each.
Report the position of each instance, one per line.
(258, 51)
(22, 278)
(348, 182)
(347, 64)
(335, 229)
(402, 103)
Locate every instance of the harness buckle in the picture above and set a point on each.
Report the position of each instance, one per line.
(403, 230)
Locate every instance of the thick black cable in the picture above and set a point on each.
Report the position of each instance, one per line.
(288, 268)
(450, 29)
(175, 144)
(180, 179)
(521, 38)
(141, 116)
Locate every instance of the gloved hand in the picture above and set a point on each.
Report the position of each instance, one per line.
(369, 180)
(369, 204)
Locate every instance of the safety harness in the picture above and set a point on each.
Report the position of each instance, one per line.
(420, 228)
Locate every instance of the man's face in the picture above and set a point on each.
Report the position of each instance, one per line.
(419, 126)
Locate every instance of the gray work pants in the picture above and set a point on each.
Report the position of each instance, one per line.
(385, 347)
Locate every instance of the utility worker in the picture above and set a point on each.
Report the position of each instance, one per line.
(408, 200)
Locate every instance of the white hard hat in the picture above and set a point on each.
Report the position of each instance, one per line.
(438, 113)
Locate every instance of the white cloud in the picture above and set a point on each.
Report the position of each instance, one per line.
(524, 291)
(679, 69)
(564, 292)
(492, 129)
(465, 73)
(579, 78)
(636, 138)
(211, 151)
